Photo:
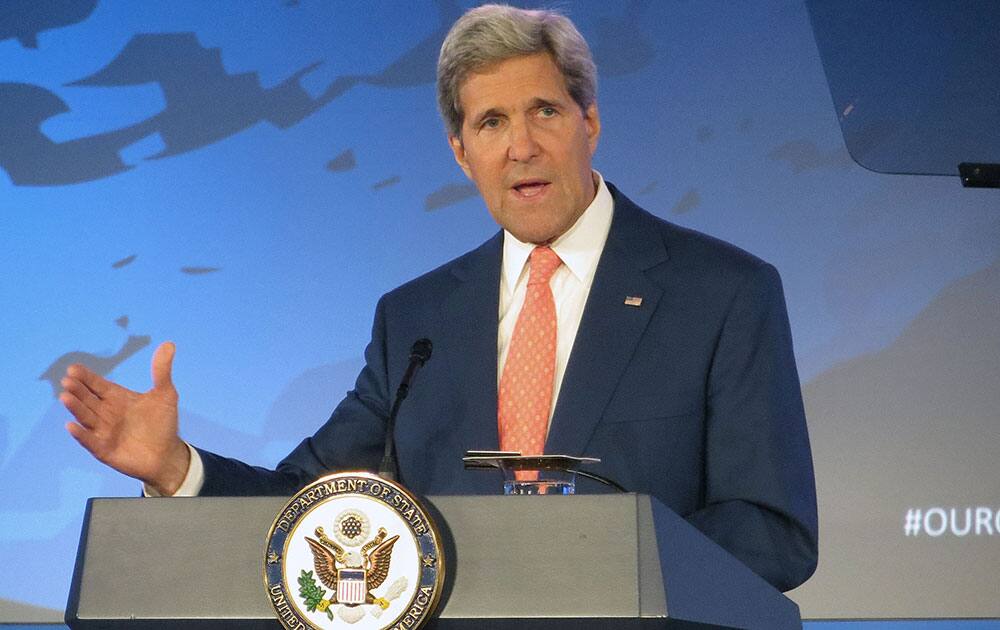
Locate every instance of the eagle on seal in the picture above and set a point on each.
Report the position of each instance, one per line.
(331, 560)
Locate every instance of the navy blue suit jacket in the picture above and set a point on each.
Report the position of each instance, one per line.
(692, 397)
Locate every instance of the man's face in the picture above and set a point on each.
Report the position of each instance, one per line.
(527, 146)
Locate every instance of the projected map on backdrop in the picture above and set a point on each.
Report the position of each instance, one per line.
(247, 180)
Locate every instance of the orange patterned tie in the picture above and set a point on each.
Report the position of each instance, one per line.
(528, 375)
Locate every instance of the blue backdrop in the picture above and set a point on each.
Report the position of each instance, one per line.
(246, 179)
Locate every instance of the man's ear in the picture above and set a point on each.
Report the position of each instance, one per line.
(592, 119)
(459, 150)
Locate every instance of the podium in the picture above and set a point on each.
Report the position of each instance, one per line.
(532, 562)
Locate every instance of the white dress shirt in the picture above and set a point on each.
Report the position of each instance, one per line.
(192, 483)
(580, 250)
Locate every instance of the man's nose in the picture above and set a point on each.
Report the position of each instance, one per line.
(523, 146)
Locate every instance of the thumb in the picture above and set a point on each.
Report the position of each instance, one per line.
(163, 360)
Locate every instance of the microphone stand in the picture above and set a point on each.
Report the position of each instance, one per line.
(419, 354)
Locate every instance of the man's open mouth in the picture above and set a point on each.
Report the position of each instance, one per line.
(530, 188)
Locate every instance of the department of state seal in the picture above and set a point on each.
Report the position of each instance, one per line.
(353, 550)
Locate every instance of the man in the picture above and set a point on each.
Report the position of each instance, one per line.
(587, 327)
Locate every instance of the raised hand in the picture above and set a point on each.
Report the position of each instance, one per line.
(134, 433)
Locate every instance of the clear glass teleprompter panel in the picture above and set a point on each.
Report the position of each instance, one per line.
(915, 85)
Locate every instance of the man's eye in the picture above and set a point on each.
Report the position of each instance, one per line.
(547, 112)
(491, 123)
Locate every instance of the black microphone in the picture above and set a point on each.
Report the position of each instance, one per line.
(419, 354)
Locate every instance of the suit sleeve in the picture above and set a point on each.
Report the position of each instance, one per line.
(760, 494)
(351, 439)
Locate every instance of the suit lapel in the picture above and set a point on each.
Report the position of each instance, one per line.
(610, 329)
(471, 315)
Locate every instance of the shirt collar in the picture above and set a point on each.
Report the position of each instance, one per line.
(579, 247)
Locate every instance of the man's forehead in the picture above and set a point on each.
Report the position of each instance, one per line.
(523, 63)
(512, 83)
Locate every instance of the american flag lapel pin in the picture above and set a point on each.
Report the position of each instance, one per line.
(633, 300)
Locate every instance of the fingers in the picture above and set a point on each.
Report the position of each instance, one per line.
(80, 392)
(87, 438)
(83, 413)
(163, 360)
(96, 383)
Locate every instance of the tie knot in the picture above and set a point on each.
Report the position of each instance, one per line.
(543, 263)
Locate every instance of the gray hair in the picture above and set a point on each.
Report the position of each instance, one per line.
(493, 33)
